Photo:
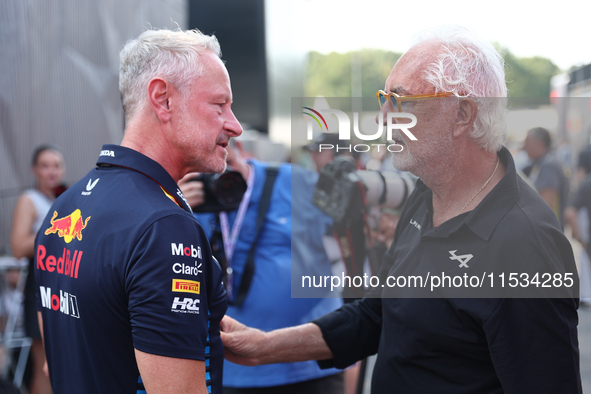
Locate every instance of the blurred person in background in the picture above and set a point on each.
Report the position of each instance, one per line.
(578, 217)
(381, 222)
(545, 171)
(322, 157)
(259, 266)
(326, 147)
(31, 208)
(11, 301)
(11, 298)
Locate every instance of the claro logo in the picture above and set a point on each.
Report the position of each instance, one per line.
(66, 303)
(181, 250)
(181, 268)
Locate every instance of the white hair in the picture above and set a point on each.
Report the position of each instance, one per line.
(471, 67)
(171, 55)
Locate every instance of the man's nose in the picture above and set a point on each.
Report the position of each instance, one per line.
(232, 125)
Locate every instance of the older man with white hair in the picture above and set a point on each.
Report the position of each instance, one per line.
(469, 211)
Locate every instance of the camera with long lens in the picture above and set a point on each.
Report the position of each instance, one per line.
(344, 193)
(223, 192)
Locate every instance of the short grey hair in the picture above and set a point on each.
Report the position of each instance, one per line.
(171, 55)
(471, 67)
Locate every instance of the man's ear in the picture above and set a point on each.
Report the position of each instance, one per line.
(159, 92)
(466, 116)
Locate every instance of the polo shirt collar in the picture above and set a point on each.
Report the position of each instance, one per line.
(483, 220)
(120, 156)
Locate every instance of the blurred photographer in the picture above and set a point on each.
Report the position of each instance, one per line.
(578, 216)
(253, 243)
(364, 206)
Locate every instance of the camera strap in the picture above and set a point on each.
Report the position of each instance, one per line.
(249, 267)
(350, 234)
(230, 237)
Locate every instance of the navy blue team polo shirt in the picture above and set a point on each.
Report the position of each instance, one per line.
(121, 264)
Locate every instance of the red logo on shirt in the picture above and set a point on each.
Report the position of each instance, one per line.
(68, 227)
(67, 265)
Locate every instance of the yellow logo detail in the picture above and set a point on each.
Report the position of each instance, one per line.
(185, 286)
(68, 227)
(169, 196)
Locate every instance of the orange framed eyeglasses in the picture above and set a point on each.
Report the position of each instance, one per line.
(398, 100)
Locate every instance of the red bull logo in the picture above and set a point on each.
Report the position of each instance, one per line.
(67, 265)
(68, 227)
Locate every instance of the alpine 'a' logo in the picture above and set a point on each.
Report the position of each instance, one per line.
(463, 259)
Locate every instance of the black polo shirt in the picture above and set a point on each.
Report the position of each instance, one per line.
(122, 264)
(467, 345)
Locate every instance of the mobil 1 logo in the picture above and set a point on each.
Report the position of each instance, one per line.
(66, 303)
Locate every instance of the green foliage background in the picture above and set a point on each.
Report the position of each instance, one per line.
(329, 75)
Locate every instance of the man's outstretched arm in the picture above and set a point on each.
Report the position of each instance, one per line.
(249, 346)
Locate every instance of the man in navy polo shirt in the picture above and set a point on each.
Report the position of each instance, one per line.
(130, 297)
(470, 212)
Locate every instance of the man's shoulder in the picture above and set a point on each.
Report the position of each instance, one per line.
(121, 195)
(530, 224)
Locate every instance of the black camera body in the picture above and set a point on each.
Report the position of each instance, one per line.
(344, 193)
(223, 192)
(336, 190)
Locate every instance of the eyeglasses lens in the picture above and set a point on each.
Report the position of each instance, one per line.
(382, 99)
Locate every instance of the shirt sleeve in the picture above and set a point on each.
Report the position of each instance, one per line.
(352, 332)
(167, 289)
(533, 345)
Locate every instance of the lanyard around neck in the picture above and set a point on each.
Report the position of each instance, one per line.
(231, 237)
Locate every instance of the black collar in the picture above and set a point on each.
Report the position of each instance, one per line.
(483, 220)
